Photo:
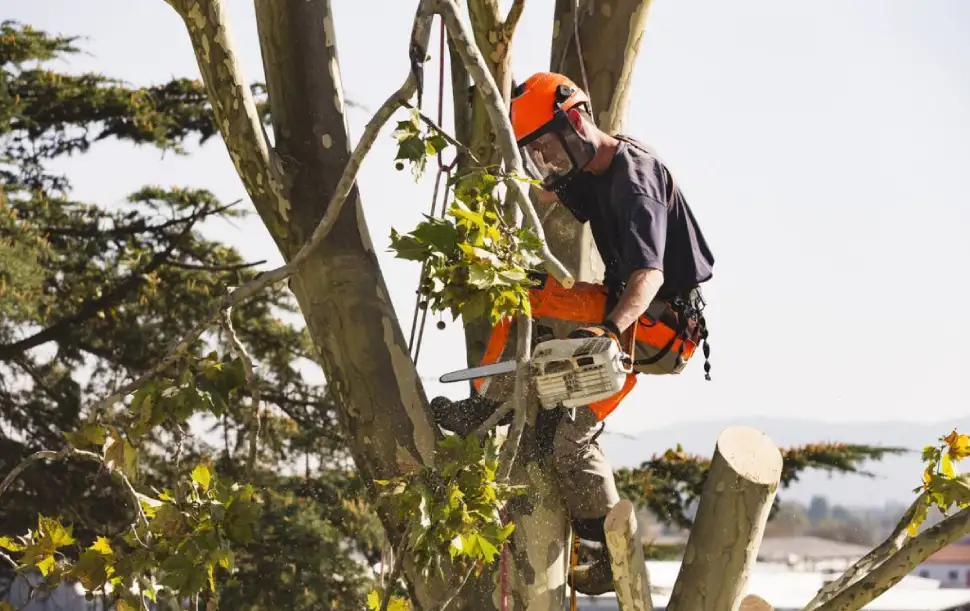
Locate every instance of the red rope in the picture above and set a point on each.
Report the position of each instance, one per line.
(441, 95)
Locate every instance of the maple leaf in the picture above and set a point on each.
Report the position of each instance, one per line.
(958, 446)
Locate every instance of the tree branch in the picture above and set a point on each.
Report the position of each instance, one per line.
(523, 354)
(899, 565)
(454, 592)
(72, 453)
(9, 560)
(247, 362)
(93, 306)
(234, 110)
(870, 561)
(473, 60)
(513, 16)
(213, 268)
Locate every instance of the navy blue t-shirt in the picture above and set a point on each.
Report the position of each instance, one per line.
(640, 219)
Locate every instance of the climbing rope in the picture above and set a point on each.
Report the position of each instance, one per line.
(573, 561)
(417, 327)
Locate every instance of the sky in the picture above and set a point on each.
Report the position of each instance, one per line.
(822, 145)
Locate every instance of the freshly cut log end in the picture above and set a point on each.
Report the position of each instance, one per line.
(750, 454)
(630, 579)
(737, 496)
(752, 602)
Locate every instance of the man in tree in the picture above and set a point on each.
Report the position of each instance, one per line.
(655, 257)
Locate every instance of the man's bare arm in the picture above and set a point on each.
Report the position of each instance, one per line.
(640, 290)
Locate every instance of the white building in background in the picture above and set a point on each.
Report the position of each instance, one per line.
(810, 553)
(950, 566)
(790, 590)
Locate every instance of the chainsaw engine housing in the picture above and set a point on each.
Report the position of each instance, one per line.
(575, 372)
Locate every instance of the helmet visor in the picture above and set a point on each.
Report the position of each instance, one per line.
(546, 158)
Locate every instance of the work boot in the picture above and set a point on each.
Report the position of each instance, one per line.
(593, 578)
(462, 417)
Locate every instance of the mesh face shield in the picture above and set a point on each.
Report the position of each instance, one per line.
(553, 153)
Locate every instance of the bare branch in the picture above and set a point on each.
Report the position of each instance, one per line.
(870, 561)
(213, 268)
(512, 19)
(473, 60)
(900, 564)
(453, 594)
(9, 560)
(523, 354)
(247, 362)
(77, 454)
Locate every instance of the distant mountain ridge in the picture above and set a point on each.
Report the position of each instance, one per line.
(895, 476)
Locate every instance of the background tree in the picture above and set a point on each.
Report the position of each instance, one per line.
(91, 295)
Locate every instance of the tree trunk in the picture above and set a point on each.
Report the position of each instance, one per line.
(630, 577)
(609, 33)
(341, 290)
(724, 539)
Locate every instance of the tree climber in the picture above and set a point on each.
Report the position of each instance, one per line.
(655, 258)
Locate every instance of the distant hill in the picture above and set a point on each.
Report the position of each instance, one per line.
(896, 476)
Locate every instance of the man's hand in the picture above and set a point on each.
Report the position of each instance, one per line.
(607, 329)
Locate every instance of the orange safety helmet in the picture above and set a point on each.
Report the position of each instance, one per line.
(534, 102)
(552, 150)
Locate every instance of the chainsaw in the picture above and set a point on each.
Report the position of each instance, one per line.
(566, 373)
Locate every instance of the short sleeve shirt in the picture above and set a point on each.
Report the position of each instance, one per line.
(640, 219)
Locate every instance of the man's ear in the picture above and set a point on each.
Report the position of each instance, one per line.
(576, 120)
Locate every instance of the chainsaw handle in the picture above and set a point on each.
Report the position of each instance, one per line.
(631, 352)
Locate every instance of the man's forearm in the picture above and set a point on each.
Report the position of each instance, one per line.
(640, 290)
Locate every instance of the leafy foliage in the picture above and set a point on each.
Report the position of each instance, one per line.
(183, 541)
(476, 262)
(454, 508)
(944, 488)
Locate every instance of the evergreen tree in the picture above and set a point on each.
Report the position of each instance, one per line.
(92, 295)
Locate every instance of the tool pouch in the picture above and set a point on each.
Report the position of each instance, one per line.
(668, 334)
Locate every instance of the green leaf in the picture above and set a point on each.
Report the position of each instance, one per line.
(408, 247)
(373, 600)
(10, 545)
(102, 546)
(202, 477)
(46, 564)
(56, 535)
(436, 144)
(119, 454)
(148, 504)
(89, 435)
(480, 276)
(441, 234)
(946, 466)
(411, 148)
